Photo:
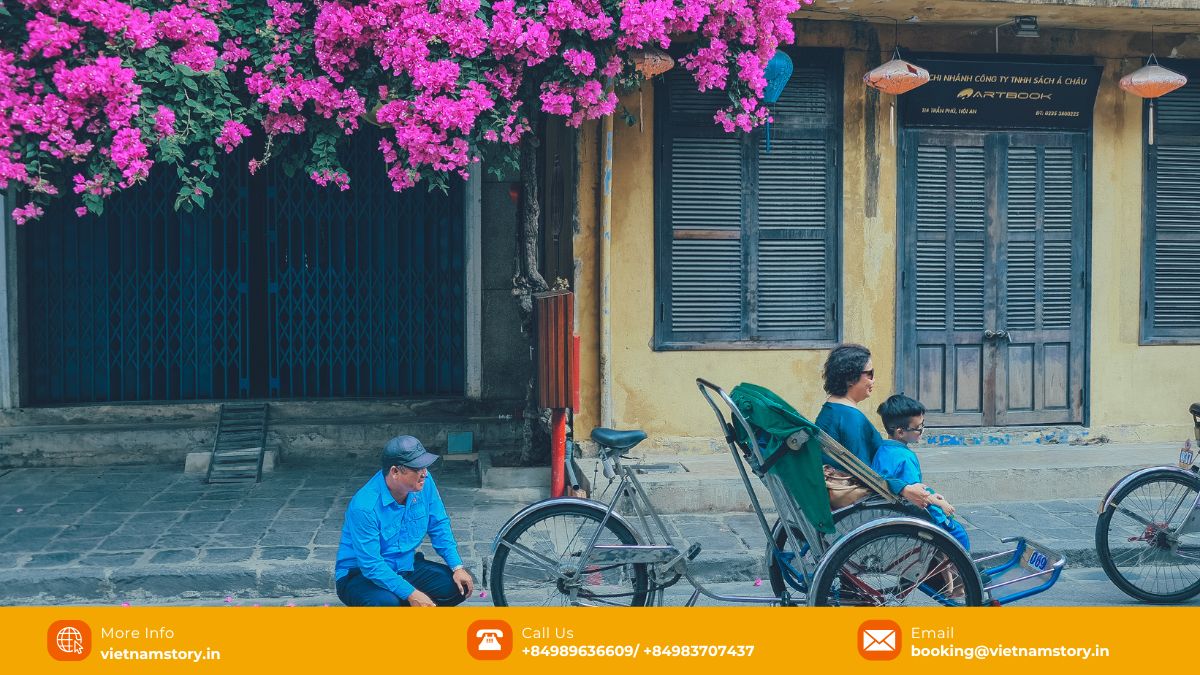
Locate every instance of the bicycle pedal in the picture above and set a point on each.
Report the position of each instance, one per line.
(693, 551)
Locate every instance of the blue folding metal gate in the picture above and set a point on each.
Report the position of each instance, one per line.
(278, 289)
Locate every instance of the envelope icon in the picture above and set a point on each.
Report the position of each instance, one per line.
(879, 640)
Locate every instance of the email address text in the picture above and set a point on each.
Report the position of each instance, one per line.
(981, 652)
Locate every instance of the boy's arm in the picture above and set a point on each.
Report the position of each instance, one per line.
(915, 491)
(939, 501)
(900, 477)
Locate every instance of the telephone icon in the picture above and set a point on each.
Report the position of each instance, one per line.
(489, 639)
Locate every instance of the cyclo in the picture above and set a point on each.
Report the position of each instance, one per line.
(1148, 532)
(879, 551)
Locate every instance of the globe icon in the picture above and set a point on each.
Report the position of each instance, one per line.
(70, 640)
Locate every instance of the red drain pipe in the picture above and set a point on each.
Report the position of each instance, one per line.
(558, 451)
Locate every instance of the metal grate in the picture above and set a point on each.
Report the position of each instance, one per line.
(278, 289)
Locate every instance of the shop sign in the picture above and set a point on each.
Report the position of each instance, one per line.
(990, 95)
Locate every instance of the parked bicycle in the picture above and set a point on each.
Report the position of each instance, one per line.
(1148, 533)
(571, 551)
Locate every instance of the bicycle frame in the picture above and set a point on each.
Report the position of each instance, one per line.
(667, 559)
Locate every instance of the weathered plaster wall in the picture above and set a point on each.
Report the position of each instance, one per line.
(1136, 392)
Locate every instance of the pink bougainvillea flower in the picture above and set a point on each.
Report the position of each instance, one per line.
(164, 122)
(446, 79)
(232, 134)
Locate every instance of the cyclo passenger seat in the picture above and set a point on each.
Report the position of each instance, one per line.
(617, 441)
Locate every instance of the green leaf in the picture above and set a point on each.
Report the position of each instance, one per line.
(199, 199)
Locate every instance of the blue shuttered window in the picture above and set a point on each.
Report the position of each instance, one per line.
(1171, 245)
(747, 240)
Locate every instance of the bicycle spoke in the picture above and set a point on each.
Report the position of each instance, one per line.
(1145, 547)
(897, 571)
(543, 561)
(533, 556)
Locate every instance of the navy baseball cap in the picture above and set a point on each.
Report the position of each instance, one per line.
(406, 451)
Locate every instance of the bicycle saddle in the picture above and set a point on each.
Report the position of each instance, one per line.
(1195, 409)
(617, 440)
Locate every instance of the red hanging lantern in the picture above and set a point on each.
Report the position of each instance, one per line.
(650, 62)
(896, 76)
(1152, 80)
(653, 61)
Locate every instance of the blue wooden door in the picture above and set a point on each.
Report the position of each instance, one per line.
(992, 328)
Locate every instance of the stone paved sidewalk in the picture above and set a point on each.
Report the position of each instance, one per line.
(107, 535)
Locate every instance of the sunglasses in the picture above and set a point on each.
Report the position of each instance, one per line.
(869, 373)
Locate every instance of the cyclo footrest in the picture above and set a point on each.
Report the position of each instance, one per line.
(1028, 569)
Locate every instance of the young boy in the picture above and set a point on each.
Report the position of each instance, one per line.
(904, 422)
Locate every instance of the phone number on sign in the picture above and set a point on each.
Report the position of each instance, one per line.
(633, 651)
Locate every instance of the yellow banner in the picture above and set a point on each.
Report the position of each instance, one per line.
(527, 640)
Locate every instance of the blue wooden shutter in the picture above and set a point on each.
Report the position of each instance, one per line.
(796, 212)
(1171, 299)
(746, 238)
(703, 173)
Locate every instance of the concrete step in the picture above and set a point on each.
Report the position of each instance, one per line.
(977, 474)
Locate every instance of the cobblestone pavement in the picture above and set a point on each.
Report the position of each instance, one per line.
(107, 535)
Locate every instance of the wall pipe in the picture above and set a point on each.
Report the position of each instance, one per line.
(606, 153)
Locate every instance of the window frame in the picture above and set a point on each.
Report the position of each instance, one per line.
(1171, 135)
(833, 133)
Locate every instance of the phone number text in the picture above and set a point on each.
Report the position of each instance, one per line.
(635, 650)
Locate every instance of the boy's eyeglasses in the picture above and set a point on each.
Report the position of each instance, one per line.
(869, 373)
(916, 430)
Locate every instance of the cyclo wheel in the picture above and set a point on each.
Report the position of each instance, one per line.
(844, 521)
(900, 563)
(560, 532)
(1138, 547)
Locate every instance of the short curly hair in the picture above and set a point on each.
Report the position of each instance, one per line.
(844, 366)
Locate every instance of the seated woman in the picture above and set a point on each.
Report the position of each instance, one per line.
(849, 379)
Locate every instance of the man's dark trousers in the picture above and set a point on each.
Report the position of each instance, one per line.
(433, 579)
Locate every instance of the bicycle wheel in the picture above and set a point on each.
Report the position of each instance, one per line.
(1140, 549)
(898, 564)
(535, 562)
(844, 521)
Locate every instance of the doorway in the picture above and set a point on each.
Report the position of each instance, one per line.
(991, 324)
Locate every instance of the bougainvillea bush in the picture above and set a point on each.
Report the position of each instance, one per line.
(95, 93)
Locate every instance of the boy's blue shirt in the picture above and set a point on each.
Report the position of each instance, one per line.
(898, 464)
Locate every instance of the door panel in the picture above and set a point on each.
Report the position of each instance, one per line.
(944, 285)
(1040, 239)
(992, 238)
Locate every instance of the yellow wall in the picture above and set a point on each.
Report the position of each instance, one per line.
(1136, 391)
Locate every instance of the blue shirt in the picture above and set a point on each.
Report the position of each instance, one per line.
(899, 466)
(381, 535)
(848, 426)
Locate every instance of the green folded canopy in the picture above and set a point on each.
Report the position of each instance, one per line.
(800, 471)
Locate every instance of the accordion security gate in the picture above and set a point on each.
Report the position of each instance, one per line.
(278, 289)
